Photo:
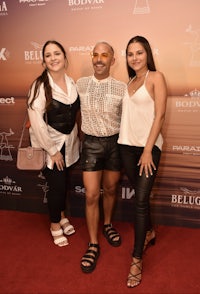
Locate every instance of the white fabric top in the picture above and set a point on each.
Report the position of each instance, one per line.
(137, 119)
(101, 105)
(43, 135)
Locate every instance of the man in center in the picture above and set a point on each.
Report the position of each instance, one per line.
(101, 104)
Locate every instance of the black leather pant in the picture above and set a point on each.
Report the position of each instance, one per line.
(130, 156)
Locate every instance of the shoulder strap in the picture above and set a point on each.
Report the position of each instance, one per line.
(146, 76)
(131, 80)
(24, 126)
(23, 129)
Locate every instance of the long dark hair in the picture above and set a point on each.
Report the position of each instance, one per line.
(150, 61)
(43, 78)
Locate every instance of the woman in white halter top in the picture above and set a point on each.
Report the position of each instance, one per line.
(141, 141)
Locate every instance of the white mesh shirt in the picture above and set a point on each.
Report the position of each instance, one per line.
(101, 105)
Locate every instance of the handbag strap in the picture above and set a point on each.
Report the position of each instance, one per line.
(24, 126)
(23, 129)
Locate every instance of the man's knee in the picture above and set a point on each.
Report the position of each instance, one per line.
(110, 190)
(92, 196)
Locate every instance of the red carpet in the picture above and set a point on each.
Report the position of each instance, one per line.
(31, 264)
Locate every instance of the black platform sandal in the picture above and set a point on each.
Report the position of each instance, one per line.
(90, 257)
(111, 235)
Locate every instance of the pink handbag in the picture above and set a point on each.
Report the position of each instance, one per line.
(30, 158)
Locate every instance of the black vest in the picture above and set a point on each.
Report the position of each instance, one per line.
(62, 116)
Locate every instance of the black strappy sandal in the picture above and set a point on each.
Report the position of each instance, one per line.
(150, 239)
(90, 257)
(111, 234)
(135, 279)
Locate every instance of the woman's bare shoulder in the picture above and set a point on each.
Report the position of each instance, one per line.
(156, 77)
(156, 74)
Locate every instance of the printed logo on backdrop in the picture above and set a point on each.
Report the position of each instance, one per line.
(84, 5)
(9, 187)
(3, 8)
(186, 198)
(34, 54)
(7, 100)
(193, 93)
(126, 193)
(5, 146)
(187, 149)
(189, 103)
(141, 7)
(33, 3)
(4, 54)
(194, 46)
(44, 187)
(81, 50)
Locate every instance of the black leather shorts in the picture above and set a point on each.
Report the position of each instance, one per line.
(100, 153)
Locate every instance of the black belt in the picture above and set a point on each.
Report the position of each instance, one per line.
(101, 138)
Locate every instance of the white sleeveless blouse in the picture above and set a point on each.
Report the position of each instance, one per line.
(137, 118)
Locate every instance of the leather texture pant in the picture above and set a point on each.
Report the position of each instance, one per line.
(130, 156)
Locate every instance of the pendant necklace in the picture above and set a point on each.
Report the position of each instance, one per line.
(136, 79)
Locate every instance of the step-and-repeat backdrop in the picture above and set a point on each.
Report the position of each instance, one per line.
(173, 30)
